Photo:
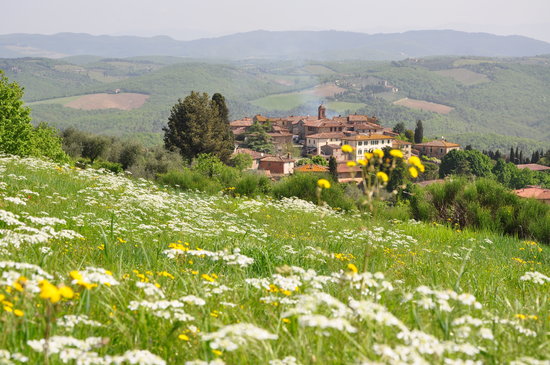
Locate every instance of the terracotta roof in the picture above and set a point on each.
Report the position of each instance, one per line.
(277, 159)
(534, 192)
(324, 123)
(362, 137)
(254, 154)
(282, 133)
(311, 168)
(398, 142)
(260, 118)
(533, 167)
(245, 122)
(438, 143)
(327, 135)
(342, 167)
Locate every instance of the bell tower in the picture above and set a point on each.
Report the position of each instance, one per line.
(322, 112)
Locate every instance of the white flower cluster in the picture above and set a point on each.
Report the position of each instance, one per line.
(151, 290)
(231, 337)
(430, 299)
(368, 283)
(75, 351)
(536, 277)
(15, 200)
(7, 358)
(234, 258)
(69, 321)
(97, 275)
(167, 309)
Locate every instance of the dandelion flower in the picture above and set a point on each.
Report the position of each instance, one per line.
(378, 153)
(323, 183)
(382, 176)
(396, 153)
(363, 162)
(347, 148)
(413, 172)
(351, 163)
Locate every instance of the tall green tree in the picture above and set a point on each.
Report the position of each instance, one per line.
(458, 162)
(418, 132)
(399, 128)
(196, 125)
(15, 121)
(257, 139)
(333, 168)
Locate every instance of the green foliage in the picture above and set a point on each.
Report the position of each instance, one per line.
(114, 167)
(47, 142)
(333, 168)
(399, 128)
(419, 132)
(252, 185)
(461, 162)
(195, 126)
(15, 121)
(189, 180)
(485, 204)
(304, 186)
(241, 161)
(257, 139)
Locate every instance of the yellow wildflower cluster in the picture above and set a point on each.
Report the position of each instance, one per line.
(343, 256)
(54, 293)
(75, 275)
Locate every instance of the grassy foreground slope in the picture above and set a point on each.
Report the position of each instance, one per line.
(182, 276)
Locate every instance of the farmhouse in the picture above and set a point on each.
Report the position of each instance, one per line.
(404, 146)
(277, 165)
(363, 143)
(437, 149)
(314, 142)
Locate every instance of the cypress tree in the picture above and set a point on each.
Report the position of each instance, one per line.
(332, 168)
(418, 132)
(511, 157)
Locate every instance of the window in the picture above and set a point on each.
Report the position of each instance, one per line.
(360, 143)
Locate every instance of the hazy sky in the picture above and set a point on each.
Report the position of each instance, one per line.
(185, 19)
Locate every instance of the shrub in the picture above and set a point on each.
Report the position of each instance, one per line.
(304, 186)
(252, 185)
(189, 180)
(107, 165)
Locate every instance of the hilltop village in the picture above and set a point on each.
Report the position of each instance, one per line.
(324, 137)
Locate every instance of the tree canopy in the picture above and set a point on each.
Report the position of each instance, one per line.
(199, 125)
(17, 134)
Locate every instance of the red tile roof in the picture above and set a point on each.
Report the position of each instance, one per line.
(327, 135)
(277, 159)
(438, 143)
(362, 137)
(311, 168)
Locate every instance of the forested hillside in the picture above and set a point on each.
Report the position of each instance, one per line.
(488, 103)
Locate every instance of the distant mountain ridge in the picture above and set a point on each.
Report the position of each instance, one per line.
(329, 45)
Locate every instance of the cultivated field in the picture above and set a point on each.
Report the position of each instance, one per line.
(122, 101)
(424, 105)
(464, 76)
(100, 269)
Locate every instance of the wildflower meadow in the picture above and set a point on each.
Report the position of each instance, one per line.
(97, 268)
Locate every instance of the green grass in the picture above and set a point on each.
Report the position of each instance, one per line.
(127, 225)
(464, 76)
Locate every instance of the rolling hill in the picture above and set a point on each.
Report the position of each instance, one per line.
(322, 45)
(488, 102)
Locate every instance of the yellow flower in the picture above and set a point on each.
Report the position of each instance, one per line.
(353, 268)
(207, 277)
(421, 167)
(396, 153)
(351, 163)
(217, 352)
(382, 176)
(49, 291)
(414, 160)
(363, 162)
(18, 313)
(347, 148)
(368, 155)
(413, 172)
(378, 153)
(183, 337)
(323, 183)
(66, 292)
(286, 320)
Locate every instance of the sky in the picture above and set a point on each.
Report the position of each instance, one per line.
(192, 19)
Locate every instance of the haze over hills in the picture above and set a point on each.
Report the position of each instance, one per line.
(320, 45)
